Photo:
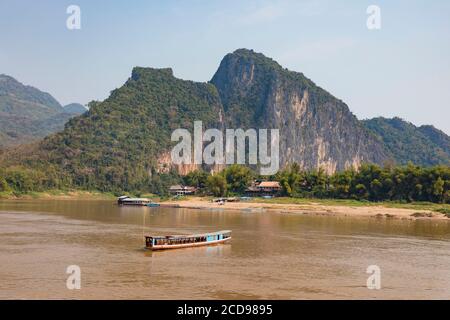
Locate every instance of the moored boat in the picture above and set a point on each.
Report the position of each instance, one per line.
(186, 241)
(126, 200)
(152, 204)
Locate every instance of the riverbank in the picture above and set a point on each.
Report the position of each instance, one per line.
(58, 195)
(284, 205)
(326, 207)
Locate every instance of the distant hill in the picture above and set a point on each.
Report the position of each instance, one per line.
(16, 91)
(28, 114)
(423, 145)
(75, 108)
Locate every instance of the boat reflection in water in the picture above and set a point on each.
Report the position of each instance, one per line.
(186, 241)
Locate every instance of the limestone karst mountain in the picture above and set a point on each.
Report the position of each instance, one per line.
(316, 129)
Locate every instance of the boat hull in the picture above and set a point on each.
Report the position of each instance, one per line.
(187, 245)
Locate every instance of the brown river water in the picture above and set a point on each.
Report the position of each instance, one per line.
(271, 256)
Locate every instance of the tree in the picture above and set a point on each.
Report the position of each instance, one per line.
(290, 180)
(341, 183)
(438, 189)
(320, 183)
(376, 190)
(238, 178)
(3, 185)
(447, 197)
(361, 191)
(196, 178)
(217, 185)
(20, 179)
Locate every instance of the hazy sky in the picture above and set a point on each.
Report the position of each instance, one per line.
(401, 70)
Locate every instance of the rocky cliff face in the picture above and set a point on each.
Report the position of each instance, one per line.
(316, 129)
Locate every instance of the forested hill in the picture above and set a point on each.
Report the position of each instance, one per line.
(117, 143)
(14, 90)
(406, 142)
(28, 114)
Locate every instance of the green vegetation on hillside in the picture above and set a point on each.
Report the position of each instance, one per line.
(28, 114)
(406, 142)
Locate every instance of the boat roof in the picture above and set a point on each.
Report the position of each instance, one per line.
(191, 235)
(136, 199)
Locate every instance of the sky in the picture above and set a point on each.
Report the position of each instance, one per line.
(402, 69)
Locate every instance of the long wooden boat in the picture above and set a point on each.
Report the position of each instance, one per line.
(127, 201)
(186, 241)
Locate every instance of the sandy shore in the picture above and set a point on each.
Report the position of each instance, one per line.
(312, 208)
(305, 208)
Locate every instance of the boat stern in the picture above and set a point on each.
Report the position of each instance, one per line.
(148, 242)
